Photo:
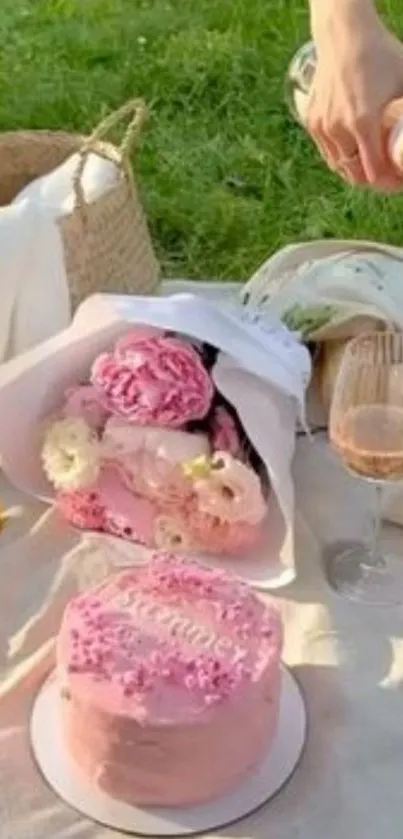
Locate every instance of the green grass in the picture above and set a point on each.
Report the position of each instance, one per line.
(226, 176)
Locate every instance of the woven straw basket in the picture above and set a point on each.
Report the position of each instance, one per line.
(107, 245)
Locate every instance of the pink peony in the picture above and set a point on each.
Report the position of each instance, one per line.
(84, 402)
(155, 381)
(224, 432)
(128, 342)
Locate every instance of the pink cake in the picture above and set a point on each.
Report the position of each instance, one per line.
(170, 680)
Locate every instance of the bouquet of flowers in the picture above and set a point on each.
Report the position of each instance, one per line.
(148, 450)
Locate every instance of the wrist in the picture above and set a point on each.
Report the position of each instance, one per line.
(331, 15)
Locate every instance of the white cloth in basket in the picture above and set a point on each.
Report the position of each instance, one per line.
(55, 191)
(34, 295)
(34, 299)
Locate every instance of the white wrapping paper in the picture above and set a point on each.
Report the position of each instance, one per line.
(262, 369)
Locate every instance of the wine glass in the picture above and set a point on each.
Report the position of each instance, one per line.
(299, 79)
(366, 430)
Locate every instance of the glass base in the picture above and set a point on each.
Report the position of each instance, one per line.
(350, 573)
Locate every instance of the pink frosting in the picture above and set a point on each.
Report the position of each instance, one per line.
(171, 662)
(154, 381)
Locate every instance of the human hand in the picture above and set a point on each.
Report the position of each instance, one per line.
(359, 71)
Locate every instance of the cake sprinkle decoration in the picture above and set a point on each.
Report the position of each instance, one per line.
(197, 657)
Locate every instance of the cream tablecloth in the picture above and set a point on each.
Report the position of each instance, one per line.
(349, 660)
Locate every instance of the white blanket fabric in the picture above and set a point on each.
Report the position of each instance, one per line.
(348, 659)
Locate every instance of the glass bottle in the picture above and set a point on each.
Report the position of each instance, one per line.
(298, 84)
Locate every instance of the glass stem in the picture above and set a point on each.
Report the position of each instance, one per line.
(376, 557)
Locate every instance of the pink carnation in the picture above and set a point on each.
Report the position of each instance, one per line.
(82, 509)
(155, 381)
(224, 432)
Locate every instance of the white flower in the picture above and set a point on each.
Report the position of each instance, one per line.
(70, 455)
(230, 490)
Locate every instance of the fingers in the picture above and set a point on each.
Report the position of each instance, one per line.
(372, 151)
(352, 171)
(321, 137)
(337, 147)
(358, 153)
(349, 162)
(380, 171)
(327, 147)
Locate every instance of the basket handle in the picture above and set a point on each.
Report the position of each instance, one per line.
(136, 108)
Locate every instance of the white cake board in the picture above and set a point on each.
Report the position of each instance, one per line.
(249, 795)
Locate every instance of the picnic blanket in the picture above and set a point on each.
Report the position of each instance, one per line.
(348, 660)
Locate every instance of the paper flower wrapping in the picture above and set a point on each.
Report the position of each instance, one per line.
(148, 451)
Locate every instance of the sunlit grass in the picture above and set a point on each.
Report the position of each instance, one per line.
(226, 175)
